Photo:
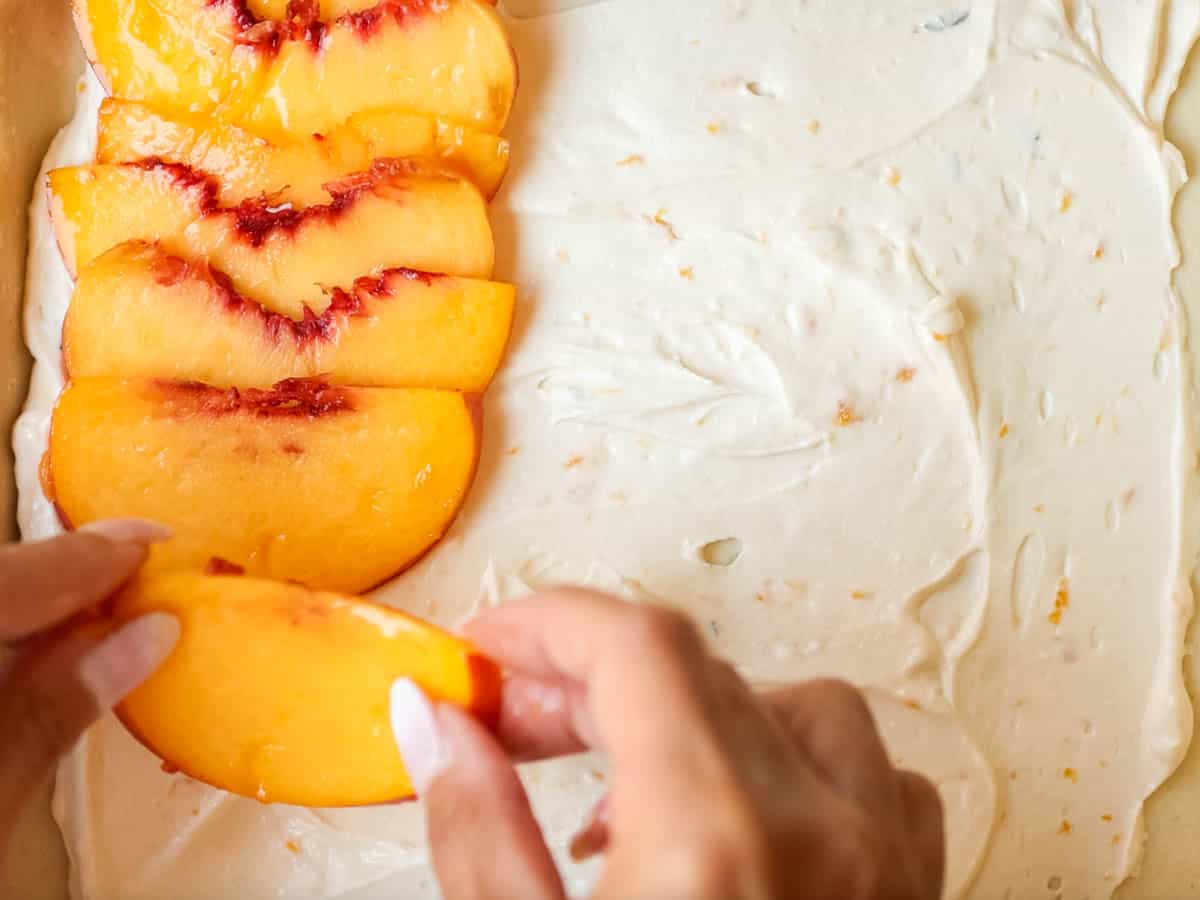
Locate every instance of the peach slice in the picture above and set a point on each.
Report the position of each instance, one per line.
(396, 216)
(333, 487)
(301, 74)
(295, 170)
(329, 9)
(284, 691)
(139, 312)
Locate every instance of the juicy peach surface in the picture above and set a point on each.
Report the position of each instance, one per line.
(336, 488)
(295, 170)
(140, 312)
(329, 9)
(287, 258)
(302, 74)
(281, 693)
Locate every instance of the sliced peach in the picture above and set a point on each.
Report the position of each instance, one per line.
(295, 170)
(396, 216)
(329, 9)
(139, 312)
(301, 74)
(336, 488)
(280, 693)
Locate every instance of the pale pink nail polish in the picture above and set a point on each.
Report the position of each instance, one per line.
(129, 531)
(128, 656)
(418, 737)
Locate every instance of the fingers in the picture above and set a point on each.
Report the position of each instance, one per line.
(44, 584)
(543, 719)
(709, 782)
(833, 726)
(486, 843)
(640, 669)
(647, 679)
(926, 824)
(558, 634)
(51, 697)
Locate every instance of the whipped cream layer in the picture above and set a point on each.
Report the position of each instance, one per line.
(848, 327)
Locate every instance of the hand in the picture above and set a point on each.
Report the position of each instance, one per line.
(65, 674)
(716, 794)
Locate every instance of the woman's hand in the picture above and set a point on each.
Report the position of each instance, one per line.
(61, 679)
(717, 794)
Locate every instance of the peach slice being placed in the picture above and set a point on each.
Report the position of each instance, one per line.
(139, 312)
(398, 215)
(302, 74)
(280, 693)
(333, 487)
(295, 170)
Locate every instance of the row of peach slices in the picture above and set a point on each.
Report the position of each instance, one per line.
(260, 357)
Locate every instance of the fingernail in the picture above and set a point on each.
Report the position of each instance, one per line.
(415, 728)
(129, 531)
(128, 656)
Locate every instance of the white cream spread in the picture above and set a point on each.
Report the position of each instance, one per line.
(849, 326)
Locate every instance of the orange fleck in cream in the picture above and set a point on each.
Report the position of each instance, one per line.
(861, 595)
(1039, 509)
(1098, 253)
(660, 219)
(574, 462)
(1065, 201)
(913, 704)
(814, 126)
(892, 176)
(1065, 827)
(1004, 430)
(635, 159)
(1062, 601)
(687, 273)
(715, 128)
(1071, 775)
(904, 376)
(940, 338)
(1116, 839)
(292, 846)
(845, 415)
(760, 598)
(1107, 817)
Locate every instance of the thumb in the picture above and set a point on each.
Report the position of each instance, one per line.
(486, 843)
(51, 695)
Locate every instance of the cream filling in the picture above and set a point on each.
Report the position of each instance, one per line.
(847, 326)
